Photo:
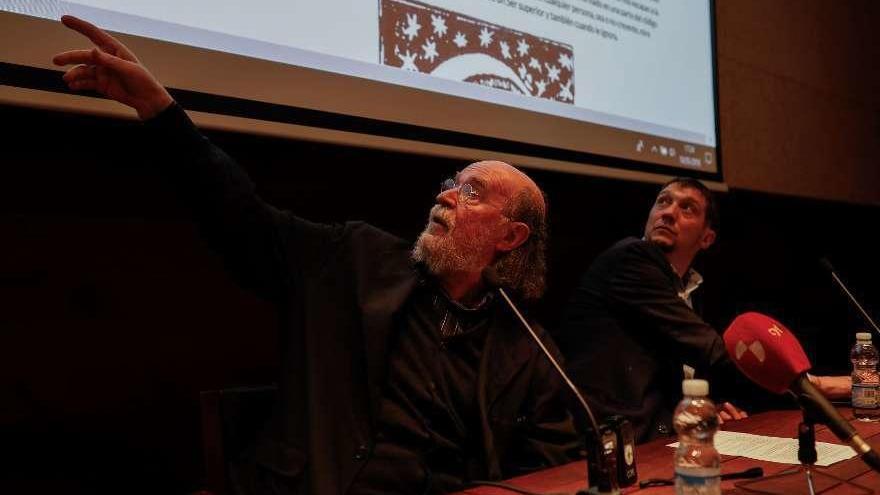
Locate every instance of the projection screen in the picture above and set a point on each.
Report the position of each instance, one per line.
(616, 87)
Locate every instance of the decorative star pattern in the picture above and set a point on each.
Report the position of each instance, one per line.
(418, 37)
(460, 40)
(408, 61)
(439, 24)
(429, 51)
(522, 47)
(505, 49)
(412, 28)
(485, 37)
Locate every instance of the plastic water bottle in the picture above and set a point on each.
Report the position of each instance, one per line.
(697, 463)
(865, 380)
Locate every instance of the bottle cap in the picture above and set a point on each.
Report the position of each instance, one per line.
(696, 388)
(863, 336)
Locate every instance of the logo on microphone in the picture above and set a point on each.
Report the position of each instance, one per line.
(765, 351)
(755, 348)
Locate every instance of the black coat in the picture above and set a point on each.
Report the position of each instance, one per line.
(337, 288)
(626, 334)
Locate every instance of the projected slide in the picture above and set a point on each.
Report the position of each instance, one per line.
(643, 67)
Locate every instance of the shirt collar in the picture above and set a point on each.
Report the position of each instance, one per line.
(690, 282)
(427, 279)
(476, 308)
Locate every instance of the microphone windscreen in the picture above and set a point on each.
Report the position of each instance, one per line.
(765, 351)
(826, 265)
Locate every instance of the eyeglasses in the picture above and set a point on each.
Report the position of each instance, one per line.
(467, 193)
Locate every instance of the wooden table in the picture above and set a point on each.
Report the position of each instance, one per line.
(654, 460)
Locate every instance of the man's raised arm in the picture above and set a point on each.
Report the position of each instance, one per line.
(111, 69)
(252, 236)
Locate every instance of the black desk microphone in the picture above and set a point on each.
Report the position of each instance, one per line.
(602, 442)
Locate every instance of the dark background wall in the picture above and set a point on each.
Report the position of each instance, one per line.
(114, 315)
(799, 91)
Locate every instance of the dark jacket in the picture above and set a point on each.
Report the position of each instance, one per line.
(337, 288)
(626, 334)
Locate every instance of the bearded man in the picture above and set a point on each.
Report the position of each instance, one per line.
(401, 373)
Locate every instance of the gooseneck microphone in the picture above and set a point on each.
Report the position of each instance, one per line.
(771, 356)
(607, 482)
(827, 266)
(491, 279)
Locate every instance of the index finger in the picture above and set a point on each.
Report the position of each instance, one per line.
(95, 34)
(85, 56)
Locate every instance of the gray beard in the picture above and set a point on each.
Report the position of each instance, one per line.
(442, 255)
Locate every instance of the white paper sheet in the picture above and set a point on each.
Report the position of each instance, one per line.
(775, 449)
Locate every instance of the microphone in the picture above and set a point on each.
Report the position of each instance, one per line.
(827, 266)
(770, 355)
(602, 456)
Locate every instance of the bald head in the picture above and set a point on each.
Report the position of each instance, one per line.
(523, 269)
(509, 182)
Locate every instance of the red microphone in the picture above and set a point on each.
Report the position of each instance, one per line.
(771, 356)
(765, 351)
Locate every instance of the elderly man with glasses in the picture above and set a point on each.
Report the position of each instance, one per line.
(401, 373)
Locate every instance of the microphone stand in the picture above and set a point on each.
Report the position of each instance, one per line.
(827, 265)
(786, 482)
(604, 450)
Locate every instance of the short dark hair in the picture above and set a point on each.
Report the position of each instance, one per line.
(713, 217)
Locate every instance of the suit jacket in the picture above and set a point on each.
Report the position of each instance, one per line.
(626, 334)
(337, 288)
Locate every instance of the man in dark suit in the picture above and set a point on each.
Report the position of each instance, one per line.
(401, 372)
(630, 333)
(630, 327)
